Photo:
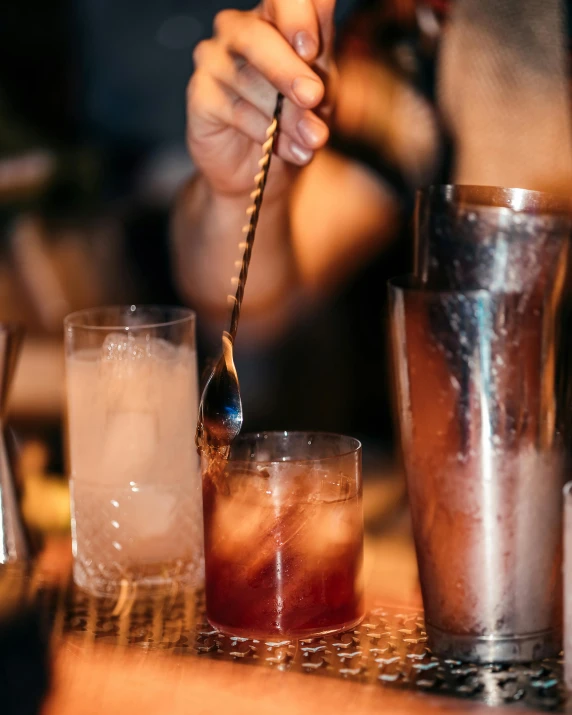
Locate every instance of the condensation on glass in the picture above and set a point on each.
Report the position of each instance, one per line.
(474, 344)
(284, 536)
(132, 393)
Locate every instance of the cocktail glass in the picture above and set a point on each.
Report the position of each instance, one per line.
(132, 398)
(284, 536)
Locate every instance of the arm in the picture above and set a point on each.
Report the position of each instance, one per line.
(278, 47)
(206, 232)
(315, 223)
(329, 221)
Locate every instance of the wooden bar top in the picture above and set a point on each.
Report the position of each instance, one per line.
(100, 668)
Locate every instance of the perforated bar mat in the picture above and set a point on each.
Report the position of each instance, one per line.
(388, 648)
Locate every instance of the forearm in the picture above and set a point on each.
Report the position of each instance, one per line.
(309, 239)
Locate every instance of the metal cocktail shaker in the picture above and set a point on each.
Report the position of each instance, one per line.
(474, 339)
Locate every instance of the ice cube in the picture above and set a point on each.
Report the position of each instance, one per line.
(124, 346)
(118, 347)
(155, 512)
(114, 346)
(334, 526)
(147, 527)
(129, 445)
(127, 381)
(238, 527)
(162, 350)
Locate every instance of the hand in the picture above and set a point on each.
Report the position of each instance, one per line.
(280, 46)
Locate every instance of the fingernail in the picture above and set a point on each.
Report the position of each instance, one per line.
(313, 132)
(305, 45)
(303, 155)
(307, 90)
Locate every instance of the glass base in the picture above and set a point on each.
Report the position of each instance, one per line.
(283, 635)
(494, 649)
(153, 582)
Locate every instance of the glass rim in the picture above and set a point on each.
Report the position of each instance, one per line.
(514, 199)
(355, 447)
(408, 283)
(75, 319)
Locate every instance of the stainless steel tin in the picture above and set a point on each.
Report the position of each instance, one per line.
(474, 334)
(484, 464)
(502, 240)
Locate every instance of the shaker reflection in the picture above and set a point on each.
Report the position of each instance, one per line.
(484, 471)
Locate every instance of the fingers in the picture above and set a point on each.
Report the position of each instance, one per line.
(236, 74)
(298, 23)
(292, 152)
(212, 108)
(308, 25)
(263, 47)
(244, 84)
(254, 55)
(325, 12)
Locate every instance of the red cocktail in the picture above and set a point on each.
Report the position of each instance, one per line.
(284, 536)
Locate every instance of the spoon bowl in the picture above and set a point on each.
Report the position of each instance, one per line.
(220, 412)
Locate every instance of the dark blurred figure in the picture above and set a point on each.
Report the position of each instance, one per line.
(25, 676)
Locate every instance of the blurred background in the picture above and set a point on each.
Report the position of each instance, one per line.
(92, 155)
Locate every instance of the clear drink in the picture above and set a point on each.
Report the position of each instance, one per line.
(134, 473)
(284, 538)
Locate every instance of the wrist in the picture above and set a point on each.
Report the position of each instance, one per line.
(278, 189)
(206, 232)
